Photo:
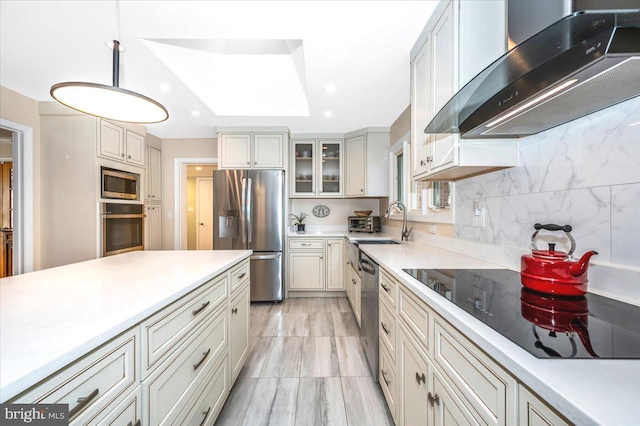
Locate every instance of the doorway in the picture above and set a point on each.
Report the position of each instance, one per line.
(199, 214)
(6, 203)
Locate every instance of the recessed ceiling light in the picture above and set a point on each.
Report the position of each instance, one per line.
(195, 113)
(328, 114)
(330, 87)
(164, 87)
(109, 44)
(198, 168)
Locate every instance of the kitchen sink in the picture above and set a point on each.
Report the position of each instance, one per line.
(376, 242)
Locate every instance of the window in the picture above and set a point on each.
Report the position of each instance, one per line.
(425, 201)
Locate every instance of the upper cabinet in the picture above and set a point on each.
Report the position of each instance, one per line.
(460, 40)
(120, 144)
(366, 163)
(252, 150)
(316, 168)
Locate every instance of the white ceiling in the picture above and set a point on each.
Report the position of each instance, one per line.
(360, 46)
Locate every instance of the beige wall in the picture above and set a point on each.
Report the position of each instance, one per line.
(171, 150)
(23, 110)
(6, 150)
(400, 127)
(191, 213)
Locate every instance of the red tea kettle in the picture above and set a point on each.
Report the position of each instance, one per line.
(555, 272)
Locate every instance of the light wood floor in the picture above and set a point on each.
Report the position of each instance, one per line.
(305, 367)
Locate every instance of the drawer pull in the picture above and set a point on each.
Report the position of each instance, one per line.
(199, 363)
(387, 289)
(420, 378)
(384, 376)
(82, 402)
(306, 244)
(200, 309)
(206, 414)
(384, 327)
(242, 275)
(433, 398)
(234, 310)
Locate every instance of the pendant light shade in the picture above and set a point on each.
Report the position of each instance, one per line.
(110, 102)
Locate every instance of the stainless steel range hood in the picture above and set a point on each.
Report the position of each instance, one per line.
(580, 64)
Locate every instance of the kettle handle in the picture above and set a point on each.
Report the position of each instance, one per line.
(551, 227)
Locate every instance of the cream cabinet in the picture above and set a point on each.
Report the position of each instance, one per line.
(316, 168)
(238, 326)
(335, 261)
(153, 227)
(174, 367)
(316, 264)
(448, 410)
(154, 175)
(120, 144)
(356, 298)
(366, 163)
(460, 40)
(534, 412)
(414, 371)
(252, 150)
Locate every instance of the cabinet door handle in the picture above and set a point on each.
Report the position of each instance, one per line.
(234, 310)
(206, 414)
(384, 376)
(387, 289)
(433, 398)
(201, 308)
(199, 363)
(82, 402)
(248, 163)
(241, 276)
(422, 163)
(128, 156)
(353, 281)
(137, 423)
(429, 159)
(420, 378)
(384, 327)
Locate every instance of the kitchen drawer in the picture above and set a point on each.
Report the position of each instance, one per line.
(306, 243)
(388, 381)
(169, 388)
(210, 397)
(489, 389)
(104, 377)
(128, 412)
(239, 275)
(416, 315)
(164, 331)
(388, 288)
(388, 329)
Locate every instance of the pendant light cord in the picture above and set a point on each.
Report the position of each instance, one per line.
(116, 49)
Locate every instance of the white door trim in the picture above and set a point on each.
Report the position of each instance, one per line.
(198, 180)
(180, 197)
(23, 196)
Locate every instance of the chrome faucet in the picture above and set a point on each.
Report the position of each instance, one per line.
(405, 232)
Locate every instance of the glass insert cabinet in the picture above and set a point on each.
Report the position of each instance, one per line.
(317, 168)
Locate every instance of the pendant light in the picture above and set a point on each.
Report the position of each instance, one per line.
(110, 102)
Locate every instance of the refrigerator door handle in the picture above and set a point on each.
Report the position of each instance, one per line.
(265, 256)
(243, 211)
(249, 213)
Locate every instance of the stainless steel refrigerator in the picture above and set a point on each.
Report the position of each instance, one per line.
(248, 214)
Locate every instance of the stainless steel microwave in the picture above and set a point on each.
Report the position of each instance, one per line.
(119, 185)
(364, 224)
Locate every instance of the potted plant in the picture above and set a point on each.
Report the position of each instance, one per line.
(297, 221)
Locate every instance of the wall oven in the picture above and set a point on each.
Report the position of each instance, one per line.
(119, 184)
(122, 228)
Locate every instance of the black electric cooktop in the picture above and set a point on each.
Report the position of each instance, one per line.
(547, 326)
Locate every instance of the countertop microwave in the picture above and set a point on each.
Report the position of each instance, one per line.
(119, 185)
(364, 224)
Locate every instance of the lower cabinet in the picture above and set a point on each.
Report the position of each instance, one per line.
(533, 412)
(316, 266)
(238, 326)
(335, 260)
(153, 231)
(179, 372)
(355, 293)
(306, 270)
(440, 377)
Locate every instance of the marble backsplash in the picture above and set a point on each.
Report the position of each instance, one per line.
(585, 173)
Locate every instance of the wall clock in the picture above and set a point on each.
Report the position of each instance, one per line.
(321, 211)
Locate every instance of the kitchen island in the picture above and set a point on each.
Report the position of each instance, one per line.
(52, 318)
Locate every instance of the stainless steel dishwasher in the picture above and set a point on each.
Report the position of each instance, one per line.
(369, 312)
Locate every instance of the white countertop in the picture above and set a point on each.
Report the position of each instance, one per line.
(585, 391)
(350, 235)
(51, 317)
